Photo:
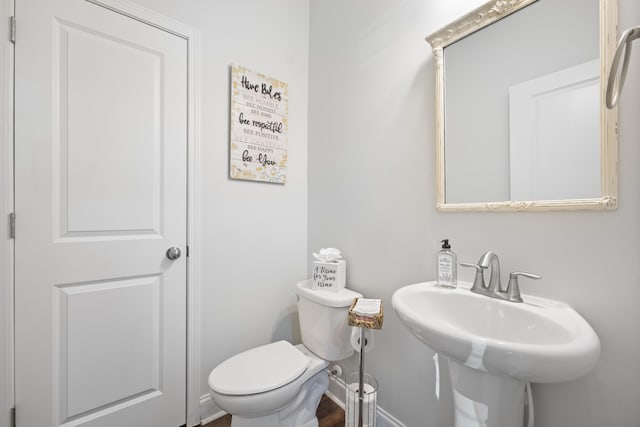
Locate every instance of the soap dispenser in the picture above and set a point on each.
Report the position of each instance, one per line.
(447, 266)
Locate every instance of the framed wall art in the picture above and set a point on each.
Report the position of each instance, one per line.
(259, 125)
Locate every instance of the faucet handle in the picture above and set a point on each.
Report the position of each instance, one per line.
(513, 290)
(478, 281)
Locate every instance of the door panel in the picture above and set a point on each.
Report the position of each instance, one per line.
(91, 335)
(91, 193)
(100, 196)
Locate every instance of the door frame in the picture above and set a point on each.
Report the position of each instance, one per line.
(6, 206)
(193, 279)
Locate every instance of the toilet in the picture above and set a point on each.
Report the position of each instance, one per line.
(280, 384)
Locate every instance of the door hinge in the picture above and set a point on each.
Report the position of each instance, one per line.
(13, 416)
(12, 225)
(12, 29)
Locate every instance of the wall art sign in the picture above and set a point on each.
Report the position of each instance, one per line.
(259, 125)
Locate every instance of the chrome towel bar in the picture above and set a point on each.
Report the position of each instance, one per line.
(613, 90)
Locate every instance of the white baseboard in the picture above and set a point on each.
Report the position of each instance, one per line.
(208, 410)
(337, 392)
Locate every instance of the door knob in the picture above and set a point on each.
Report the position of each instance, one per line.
(173, 253)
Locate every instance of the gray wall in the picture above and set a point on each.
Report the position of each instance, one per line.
(372, 194)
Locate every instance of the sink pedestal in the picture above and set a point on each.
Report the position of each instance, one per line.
(486, 400)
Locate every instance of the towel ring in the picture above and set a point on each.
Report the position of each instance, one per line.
(625, 42)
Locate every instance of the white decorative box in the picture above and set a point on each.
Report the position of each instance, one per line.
(329, 276)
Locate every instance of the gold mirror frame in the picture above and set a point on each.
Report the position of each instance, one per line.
(483, 16)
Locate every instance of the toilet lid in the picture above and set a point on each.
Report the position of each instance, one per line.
(259, 370)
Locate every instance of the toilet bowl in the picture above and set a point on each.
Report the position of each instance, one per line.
(279, 384)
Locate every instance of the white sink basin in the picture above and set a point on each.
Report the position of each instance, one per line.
(539, 340)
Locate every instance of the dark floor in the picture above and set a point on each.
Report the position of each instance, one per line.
(329, 415)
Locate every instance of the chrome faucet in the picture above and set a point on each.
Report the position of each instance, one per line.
(491, 259)
(494, 288)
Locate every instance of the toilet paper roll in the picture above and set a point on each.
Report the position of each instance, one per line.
(355, 339)
(352, 409)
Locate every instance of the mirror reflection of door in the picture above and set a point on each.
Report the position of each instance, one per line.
(554, 137)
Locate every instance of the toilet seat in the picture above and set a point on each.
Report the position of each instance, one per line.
(259, 369)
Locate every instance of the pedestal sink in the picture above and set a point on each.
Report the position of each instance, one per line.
(494, 347)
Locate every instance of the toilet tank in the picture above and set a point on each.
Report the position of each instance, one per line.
(323, 321)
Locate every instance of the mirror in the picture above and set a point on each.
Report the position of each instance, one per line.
(520, 116)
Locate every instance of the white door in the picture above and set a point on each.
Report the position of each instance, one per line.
(101, 139)
(554, 127)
